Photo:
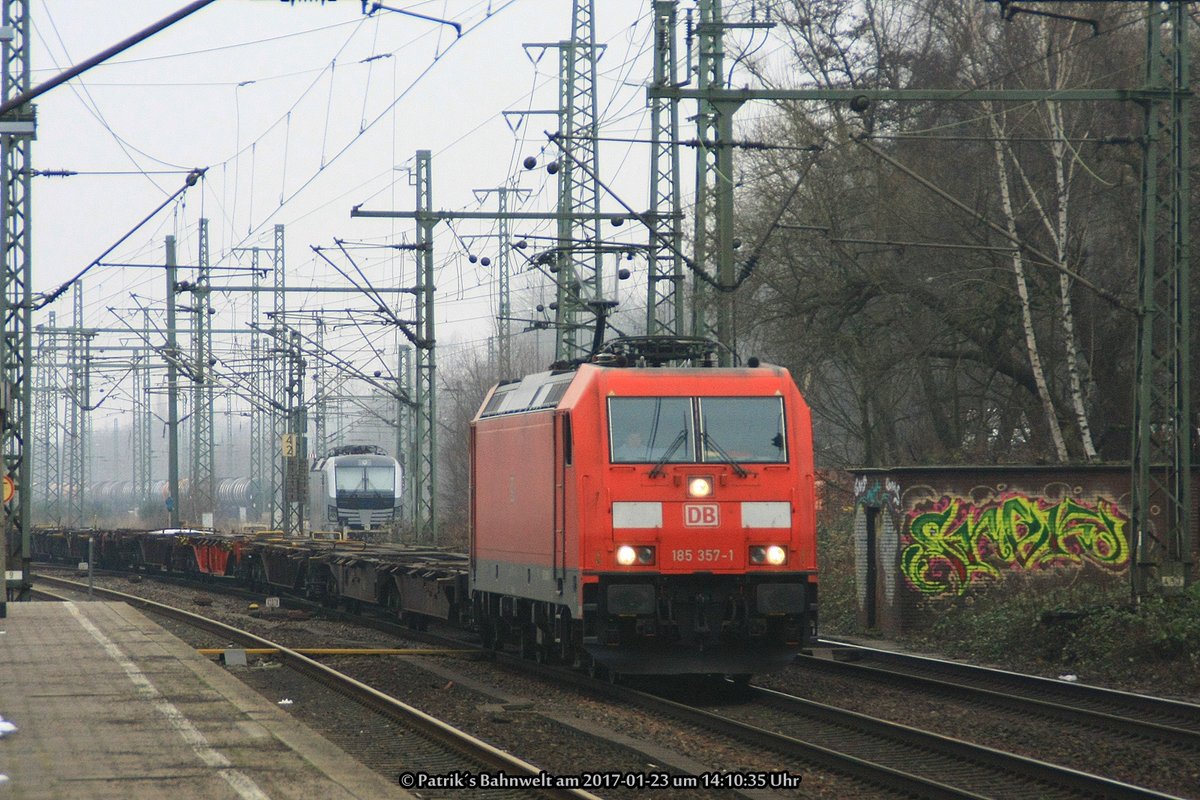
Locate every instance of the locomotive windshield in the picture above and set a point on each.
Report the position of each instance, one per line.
(663, 430)
(365, 479)
(651, 429)
(743, 428)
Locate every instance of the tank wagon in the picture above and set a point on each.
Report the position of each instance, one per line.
(237, 499)
(355, 488)
(645, 519)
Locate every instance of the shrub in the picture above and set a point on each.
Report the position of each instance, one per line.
(835, 571)
(1089, 627)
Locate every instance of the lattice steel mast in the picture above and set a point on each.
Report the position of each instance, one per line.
(78, 400)
(279, 385)
(664, 287)
(294, 455)
(143, 421)
(16, 167)
(405, 419)
(48, 465)
(425, 395)
(320, 437)
(201, 488)
(503, 266)
(1162, 444)
(580, 265)
(260, 427)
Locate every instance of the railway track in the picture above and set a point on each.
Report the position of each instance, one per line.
(972, 769)
(874, 753)
(1170, 722)
(900, 760)
(455, 751)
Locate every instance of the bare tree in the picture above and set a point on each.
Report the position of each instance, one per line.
(918, 328)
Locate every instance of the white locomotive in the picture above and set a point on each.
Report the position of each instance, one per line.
(355, 488)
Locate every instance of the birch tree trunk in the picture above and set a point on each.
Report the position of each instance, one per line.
(1035, 359)
(1062, 174)
(1063, 161)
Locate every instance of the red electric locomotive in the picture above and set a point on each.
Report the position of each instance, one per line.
(645, 519)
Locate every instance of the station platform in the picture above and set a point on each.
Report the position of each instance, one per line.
(108, 704)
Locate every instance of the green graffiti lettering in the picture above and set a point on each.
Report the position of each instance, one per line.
(955, 543)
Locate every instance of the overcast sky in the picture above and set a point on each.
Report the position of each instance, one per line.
(299, 112)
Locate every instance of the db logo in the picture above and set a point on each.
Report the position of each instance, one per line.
(701, 515)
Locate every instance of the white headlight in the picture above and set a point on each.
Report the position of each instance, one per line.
(626, 555)
(776, 555)
(700, 486)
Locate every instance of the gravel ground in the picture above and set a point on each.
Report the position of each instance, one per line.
(1085, 749)
(545, 723)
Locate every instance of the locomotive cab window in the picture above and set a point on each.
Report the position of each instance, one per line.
(365, 479)
(649, 430)
(646, 430)
(748, 429)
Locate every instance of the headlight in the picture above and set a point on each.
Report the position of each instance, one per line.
(700, 486)
(771, 554)
(628, 555)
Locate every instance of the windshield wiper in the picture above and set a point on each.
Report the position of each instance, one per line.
(738, 468)
(658, 466)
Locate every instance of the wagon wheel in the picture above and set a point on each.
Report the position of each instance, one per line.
(572, 655)
(529, 646)
(543, 653)
(740, 681)
(391, 602)
(487, 636)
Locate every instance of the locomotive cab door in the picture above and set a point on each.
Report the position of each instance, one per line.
(562, 461)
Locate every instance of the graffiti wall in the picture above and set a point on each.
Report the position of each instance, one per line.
(924, 536)
(955, 541)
